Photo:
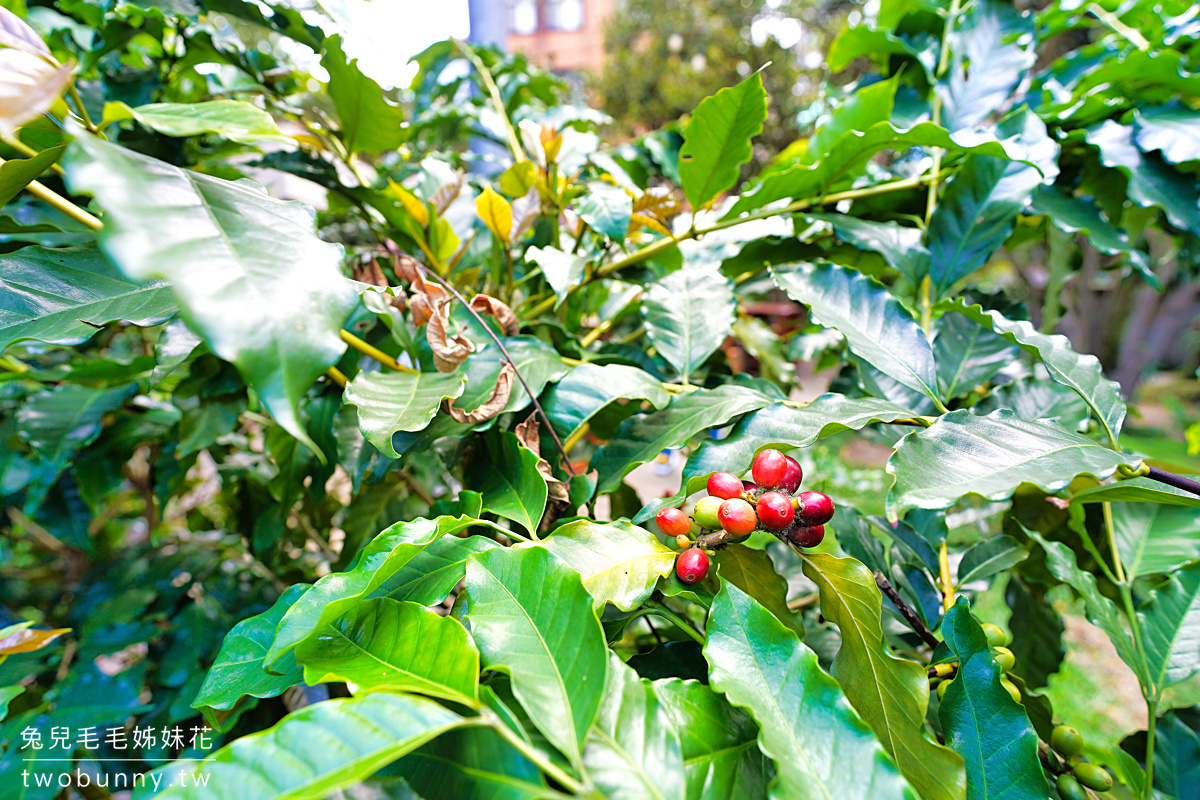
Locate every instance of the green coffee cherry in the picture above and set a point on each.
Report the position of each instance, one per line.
(941, 690)
(1011, 689)
(1069, 788)
(1066, 741)
(995, 635)
(1093, 777)
(1004, 657)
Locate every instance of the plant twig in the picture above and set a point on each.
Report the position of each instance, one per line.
(26, 150)
(493, 90)
(337, 376)
(374, 352)
(64, 205)
(675, 619)
(83, 113)
(947, 584)
(1171, 479)
(905, 610)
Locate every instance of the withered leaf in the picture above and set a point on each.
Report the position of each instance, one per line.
(370, 273)
(445, 195)
(424, 295)
(525, 212)
(490, 407)
(486, 304)
(527, 435)
(448, 350)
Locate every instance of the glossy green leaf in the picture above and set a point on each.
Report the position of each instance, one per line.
(716, 140)
(981, 721)
(619, 563)
(249, 271)
(7, 695)
(633, 750)
(1037, 632)
(890, 693)
(642, 437)
(688, 314)
(1153, 538)
(967, 354)
(1151, 181)
(369, 123)
(1169, 621)
(17, 173)
(1081, 215)
(315, 751)
(382, 643)
(57, 422)
(878, 329)
(862, 40)
(754, 573)
(1174, 129)
(563, 271)
(376, 564)
(471, 763)
(531, 617)
(1177, 754)
(867, 106)
(998, 37)
(234, 119)
(1034, 399)
(807, 726)
(52, 294)
(590, 387)
(399, 401)
(506, 474)
(429, 576)
(992, 455)
(239, 669)
(1137, 490)
(721, 756)
(537, 361)
(900, 245)
(607, 209)
(988, 557)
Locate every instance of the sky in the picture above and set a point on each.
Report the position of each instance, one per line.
(384, 34)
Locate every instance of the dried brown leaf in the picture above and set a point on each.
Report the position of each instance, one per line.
(525, 212)
(449, 350)
(527, 435)
(370, 273)
(486, 304)
(657, 202)
(424, 295)
(490, 407)
(445, 195)
(26, 640)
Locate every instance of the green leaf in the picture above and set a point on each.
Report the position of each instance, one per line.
(18, 173)
(1081, 214)
(532, 618)
(53, 294)
(374, 566)
(429, 576)
(988, 557)
(633, 750)
(563, 271)
(1153, 538)
(688, 314)
(644, 436)
(7, 694)
(607, 209)
(471, 763)
(861, 40)
(588, 388)
(1177, 754)
(1138, 490)
(721, 757)
(382, 643)
(890, 693)
(241, 122)
(806, 725)
(57, 422)
(716, 140)
(997, 37)
(867, 106)
(992, 455)
(877, 327)
(239, 669)
(900, 245)
(1151, 181)
(399, 401)
(619, 563)
(1174, 129)
(982, 722)
(369, 123)
(316, 751)
(754, 573)
(506, 474)
(967, 354)
(1034, 399)
(1170, 625)
(1037, 631)
(1082, 372)
(249, 272)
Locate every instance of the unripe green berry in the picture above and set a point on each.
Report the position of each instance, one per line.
(941, 690)
(996, 635)
(1066, 741)
(1004, 657)
(706, 512)
(1093, 777)
(1011, 689)
(1069, 788)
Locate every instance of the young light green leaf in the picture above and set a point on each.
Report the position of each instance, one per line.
(1138, 490)
(806, 725)
(1169, 621)
(688, 314)
(429, 576)
(716, 140)
(877, 327)
(7, 694)
(890, 693)
(242, 122)
(17, 173)
(1153, 538)
(590, 387)
(382, 643)
(531, 617)
(867, 106)
(561, 270)
(389, 402)
(370, 124)
(607, 209)
(506, 474)
(981, 721)
(248, 270)
(619, 563)
(992, 455)
(754, 573)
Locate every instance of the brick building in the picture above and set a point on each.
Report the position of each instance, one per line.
(560, 35)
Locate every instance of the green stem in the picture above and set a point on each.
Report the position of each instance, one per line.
(926, 305)
(11, 364)
(936, 111)
(673, 618)
(26, 150)
(1118, 569)
(371, 351)
(64, 205)
(1151, 723)
(514, 143)
(540, 760)
(83, 114)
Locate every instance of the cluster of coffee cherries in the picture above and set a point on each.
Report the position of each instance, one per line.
(771, 502)
(1068, 743)
(998, 641)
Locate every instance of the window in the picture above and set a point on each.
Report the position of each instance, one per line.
(563, 15)
(524, 16)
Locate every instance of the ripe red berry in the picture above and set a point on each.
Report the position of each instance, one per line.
(692, 565)
(793, 476)
(737, 517)
(805, 536)
(775, 510)
(813, 508)
(769, 468)
(725, 485)
(673, 522)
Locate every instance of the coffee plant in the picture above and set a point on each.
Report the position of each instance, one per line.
(341, 494)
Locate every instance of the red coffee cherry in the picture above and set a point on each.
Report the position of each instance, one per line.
(775, 510)
(725, 485)
(692, 565)
(737, 517)
(673, 522)
(793, 476)
(813, 508)
(805, 536)
(769, 468)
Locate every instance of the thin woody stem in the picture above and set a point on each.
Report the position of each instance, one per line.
(905, 610)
